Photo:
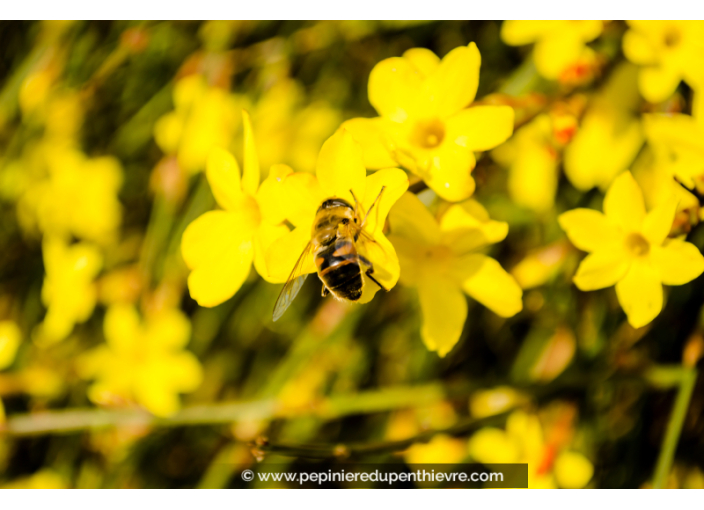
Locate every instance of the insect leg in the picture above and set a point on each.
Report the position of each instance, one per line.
(325, 291)
(373, 204)
(369, 275)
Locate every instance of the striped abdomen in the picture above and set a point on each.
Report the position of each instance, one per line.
(338, 268)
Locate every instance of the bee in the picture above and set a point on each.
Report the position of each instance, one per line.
(337, 228)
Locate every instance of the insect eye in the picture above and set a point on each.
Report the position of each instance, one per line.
(355, 220)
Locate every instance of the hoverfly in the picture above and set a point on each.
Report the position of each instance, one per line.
(337, 227)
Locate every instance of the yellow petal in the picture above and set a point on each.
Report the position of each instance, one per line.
(410, 219)
(493, 287)
(481, 128)
(212, 233)
(10, 338)
(658, 222)
(588, 229)
(302, 195)
(444, 310)
(493, 446)
(218, 248)
(373, 139)
(423, 59)
(554, 54)
(122, 327)
(395, 183)
(657, 83)
(272, 194)
(385, 262)
(453, 84)
(340, 167)
(573, 470)
(520, 32)
(467, 226)
(169, 329)
(263, 239)
(167, 132)
(394, 88)
(601, 269)
(157, 399)
(637, 48)
(282, 255)
(450, 172)
(250, 174)
(471, 214)
(623, 204)
(532, 178)
(216, 282)
(640, 293)
(679, 262)
(223, 174)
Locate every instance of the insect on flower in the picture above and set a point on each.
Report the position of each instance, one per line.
(335, 233)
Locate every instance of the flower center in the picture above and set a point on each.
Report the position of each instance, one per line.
(428, 133)
(637, 245)
(672, 37)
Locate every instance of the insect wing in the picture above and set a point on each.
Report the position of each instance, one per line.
(293, 284)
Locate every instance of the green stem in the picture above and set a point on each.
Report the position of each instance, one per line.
(332, 451)
(686, 379)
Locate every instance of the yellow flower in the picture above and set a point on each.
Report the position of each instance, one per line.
(78, 196)
(44, 479)
(630, 249)
(425, 125)
(609, 135)
(10, 337)
(670, 51)
(549, 465)
(339, 169)
(532, 164)
(441, 262)
(677, 141)
(220, 246)
(290, 131)
(442, 449)
(204, 118)
(142, 361)
(558, 43)
(69, 291)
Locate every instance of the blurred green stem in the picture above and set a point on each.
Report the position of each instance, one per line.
(685, 378)
(464, 426)
(58, 422)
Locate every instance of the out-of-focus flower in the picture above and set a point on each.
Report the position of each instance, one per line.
(69, 291)
(485, 403)
(609, 136)
(629, 248)
(540, 265)
(441, 261)
(425, 125)
(44, 479)
(339, 170)
(442, 449)
(142, 361)
(10, 338)
(677, 141)
(77, 197)
(220, 246)
(204, 118)
(532, 162)
(290, 131)
(550, 465)
(669, 51)
(559, 44)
